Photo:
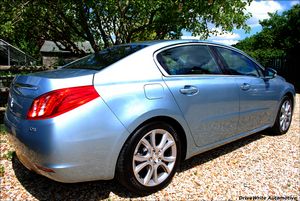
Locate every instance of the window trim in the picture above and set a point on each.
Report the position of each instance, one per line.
(111, 51)
(166, 74)
(215, 55)
(256, 64)
(220, 60)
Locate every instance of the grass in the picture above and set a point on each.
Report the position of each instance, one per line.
(2, 170)
(9, 155)
(2, 129)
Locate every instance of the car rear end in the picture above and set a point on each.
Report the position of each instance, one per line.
(70, 124)
(61, 128)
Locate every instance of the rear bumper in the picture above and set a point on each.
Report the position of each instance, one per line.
(81, 145)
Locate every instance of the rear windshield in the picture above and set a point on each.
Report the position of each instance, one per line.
(105, 57)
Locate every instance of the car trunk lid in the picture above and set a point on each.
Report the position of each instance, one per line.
(25, 88)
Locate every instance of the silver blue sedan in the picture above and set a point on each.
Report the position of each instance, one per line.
(135, 111)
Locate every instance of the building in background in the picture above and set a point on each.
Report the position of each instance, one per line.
(52, 55)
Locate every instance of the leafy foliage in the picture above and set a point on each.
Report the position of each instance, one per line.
(280, 37)
(2, 129)
(107, 22)
(279, 40)
(9, 155)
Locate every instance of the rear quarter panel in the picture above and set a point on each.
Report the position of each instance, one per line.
(134, 90)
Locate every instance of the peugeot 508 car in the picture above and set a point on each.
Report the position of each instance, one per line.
(133, 112)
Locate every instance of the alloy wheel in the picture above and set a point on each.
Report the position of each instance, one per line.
(285, 115)
(154, 157)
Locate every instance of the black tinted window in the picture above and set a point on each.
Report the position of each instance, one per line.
(237, 63)
(105, 57)
(184, 60)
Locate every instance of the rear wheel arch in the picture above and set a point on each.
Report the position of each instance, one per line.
(133, 178)
(175, 124)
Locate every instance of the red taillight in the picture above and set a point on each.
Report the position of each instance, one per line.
(60, 101)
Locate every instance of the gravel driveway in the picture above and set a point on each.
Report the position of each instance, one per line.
(260, 166)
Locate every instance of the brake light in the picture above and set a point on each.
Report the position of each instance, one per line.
(60, 101)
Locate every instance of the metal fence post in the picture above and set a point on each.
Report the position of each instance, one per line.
(8, 55)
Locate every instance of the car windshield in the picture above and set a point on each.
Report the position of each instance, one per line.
(104, 58)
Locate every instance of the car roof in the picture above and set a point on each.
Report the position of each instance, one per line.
(173, 42)
(158, 44)
(164, 43)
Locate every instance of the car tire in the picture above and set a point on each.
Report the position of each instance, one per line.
(149, 158)
(284, 117)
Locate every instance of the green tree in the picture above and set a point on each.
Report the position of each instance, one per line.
(108, 22)
(279, 38)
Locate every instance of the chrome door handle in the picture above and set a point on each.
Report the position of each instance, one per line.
(245, 86)
(189, 90)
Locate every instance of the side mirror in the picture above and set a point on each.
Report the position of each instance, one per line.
(269, 73)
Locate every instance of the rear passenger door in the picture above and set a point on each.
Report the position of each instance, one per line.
(208, 100)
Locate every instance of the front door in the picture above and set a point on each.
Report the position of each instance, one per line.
(258, 96)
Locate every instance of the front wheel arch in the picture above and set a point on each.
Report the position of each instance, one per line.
(276, 128)
(290, 95)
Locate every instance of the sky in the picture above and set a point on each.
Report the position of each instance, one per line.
(259, 10)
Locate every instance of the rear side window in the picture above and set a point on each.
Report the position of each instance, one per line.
(105, 57)
(185, 60)
(237, 63)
